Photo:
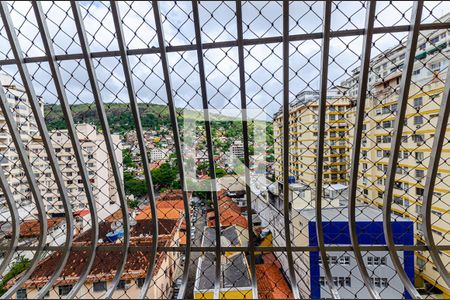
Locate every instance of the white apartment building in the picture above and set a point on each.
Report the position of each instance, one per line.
(97, 162)
(9, 160)
(159, 154)
(236, 152)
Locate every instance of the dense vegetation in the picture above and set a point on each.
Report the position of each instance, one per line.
(153, 116)
(18, 267)
(164, 177)
(119, 116)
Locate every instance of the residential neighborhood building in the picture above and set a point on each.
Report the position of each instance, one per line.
(106, 264)
(98, 165)
(369, 224)
(26, 125)
(303, 128)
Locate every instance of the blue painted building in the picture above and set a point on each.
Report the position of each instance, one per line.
(344, 269)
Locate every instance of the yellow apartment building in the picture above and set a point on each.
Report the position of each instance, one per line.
(303, 124)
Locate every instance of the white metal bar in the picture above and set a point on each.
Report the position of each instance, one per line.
(59, 86)
(248, 192)
(395, 146)
(176, 134)
(140, 137)
(354, 176)
(320, 146)
(28, 170)
(209, 145)
(108, 141)
(43, 131)
(286, 95)
(12, 207)
(430, 181)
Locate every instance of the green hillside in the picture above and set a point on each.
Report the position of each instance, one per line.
(119, 116)
(153, 116)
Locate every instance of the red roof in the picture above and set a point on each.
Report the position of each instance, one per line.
(175, 204)
(230, 213)
(271, 283)
(30, 228)
(81, 213)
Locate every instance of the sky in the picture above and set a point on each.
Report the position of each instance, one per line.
(263, 63)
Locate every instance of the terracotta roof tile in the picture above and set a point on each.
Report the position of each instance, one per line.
(30, 228)
(230, 212)
(104, 266)
(162, 212)
(271, 283)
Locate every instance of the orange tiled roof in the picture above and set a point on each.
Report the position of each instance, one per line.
(230, 213)
(162, 212)
(271, 283)
(30, 228)
(174, 204)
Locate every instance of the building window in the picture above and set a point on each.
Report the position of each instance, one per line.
(322, 281)
(419, 156)
(99, 286)
(420, 174)
(418, 102)
(398, 200)
(419, 191)
(376, 261)
(64, 289)
(418, 138)
(344, 260)
(21, 294)
(418, 120)
(121, 285)
(379, 282)
(140, 282)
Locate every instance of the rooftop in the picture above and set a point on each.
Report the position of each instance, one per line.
(271, 283)
(104, 267)
(230, 213)
(141, 229)
(235, 271)
(340, 214)
(31, 229)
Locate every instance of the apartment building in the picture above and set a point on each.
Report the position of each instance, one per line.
(425, 95)
(106, 263)
(344, 270)
(303, 128)
(26, 124)
(159, 154)
(97, 162)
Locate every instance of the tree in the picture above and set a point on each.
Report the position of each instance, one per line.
(165, 176)
(127, 159)
(133, 203)
(220, 172)
(134, 186)
(18, 267)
